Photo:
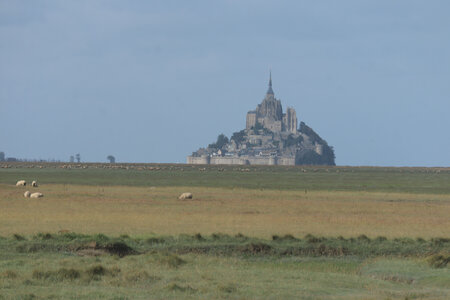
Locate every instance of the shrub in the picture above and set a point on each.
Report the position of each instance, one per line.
(70, 236)
(312, 239)
(155, 240)
(119, 248)
(97, 270)
(439, 260)
(176, 287)
(198, 237)
(229, 288)
(138, 276)
(241, 237)
(287, 237)
(219, 236)
(171, 260)
(101, 238)
(58, 275)
(257, 248)
(68, 274)
(44, 236)
(380, 239)
(363, 238)
(222, 140)
(18, 237)
(9, 274)
(440, 241)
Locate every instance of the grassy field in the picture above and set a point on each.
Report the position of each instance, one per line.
(249, 232)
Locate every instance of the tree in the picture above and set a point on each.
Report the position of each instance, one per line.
(78, 157)
(238, 136)
(72, 159)
(111, 159)
(222, 140)
(2, 156)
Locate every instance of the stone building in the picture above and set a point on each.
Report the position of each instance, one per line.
(269, 114)
(270, 137)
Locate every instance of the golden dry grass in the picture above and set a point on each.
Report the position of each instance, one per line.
(261, 213)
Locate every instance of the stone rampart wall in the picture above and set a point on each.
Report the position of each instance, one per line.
(243, 160)
(223, 160)
(198, 160)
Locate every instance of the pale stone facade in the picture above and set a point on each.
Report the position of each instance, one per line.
(290, 120)
(269, 114)
(242, 160)
(251, 119)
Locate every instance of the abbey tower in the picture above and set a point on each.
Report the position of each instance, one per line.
(269, 114)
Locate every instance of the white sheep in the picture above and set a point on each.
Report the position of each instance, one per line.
(36, 195)
(185, 196)
(34, 184)
(21, 183)
(27, 194)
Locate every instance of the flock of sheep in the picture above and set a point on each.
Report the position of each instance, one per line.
(28, 194)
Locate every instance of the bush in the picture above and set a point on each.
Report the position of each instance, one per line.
(58, 275)
(229, 288)
(119, 248)
(238, 137)
(101, 238)
(286, 237)
(97, 270)
(363, 238)
(198, 237)
(220, 236)
(18, 237)
(380, 239)
(155, 240)
(257, 248)
(171, 260)
(292, 141)
(440, 241)
(139, 276)
(176, 287)
(312, 239)
(439, 260)
(9, 274)
(222, 140)
(44, 236)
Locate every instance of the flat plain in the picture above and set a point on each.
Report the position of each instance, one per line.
(248, 232)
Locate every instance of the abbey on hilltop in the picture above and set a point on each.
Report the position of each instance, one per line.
(271, 137)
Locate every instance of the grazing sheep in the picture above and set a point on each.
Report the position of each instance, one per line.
(27, 194)
(185, 196)
(34, 184)
(21, 183)
(36, 195)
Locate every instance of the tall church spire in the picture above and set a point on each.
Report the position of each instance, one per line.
(270, 91)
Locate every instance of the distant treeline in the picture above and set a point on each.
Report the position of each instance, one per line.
(13, 159)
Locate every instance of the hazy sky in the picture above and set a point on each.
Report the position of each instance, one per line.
(152, 81)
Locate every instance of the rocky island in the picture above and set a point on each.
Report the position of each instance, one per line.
(271, 137)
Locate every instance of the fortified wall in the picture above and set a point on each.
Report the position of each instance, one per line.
(242, 160)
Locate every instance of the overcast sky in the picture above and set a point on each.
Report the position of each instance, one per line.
(152, 81)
